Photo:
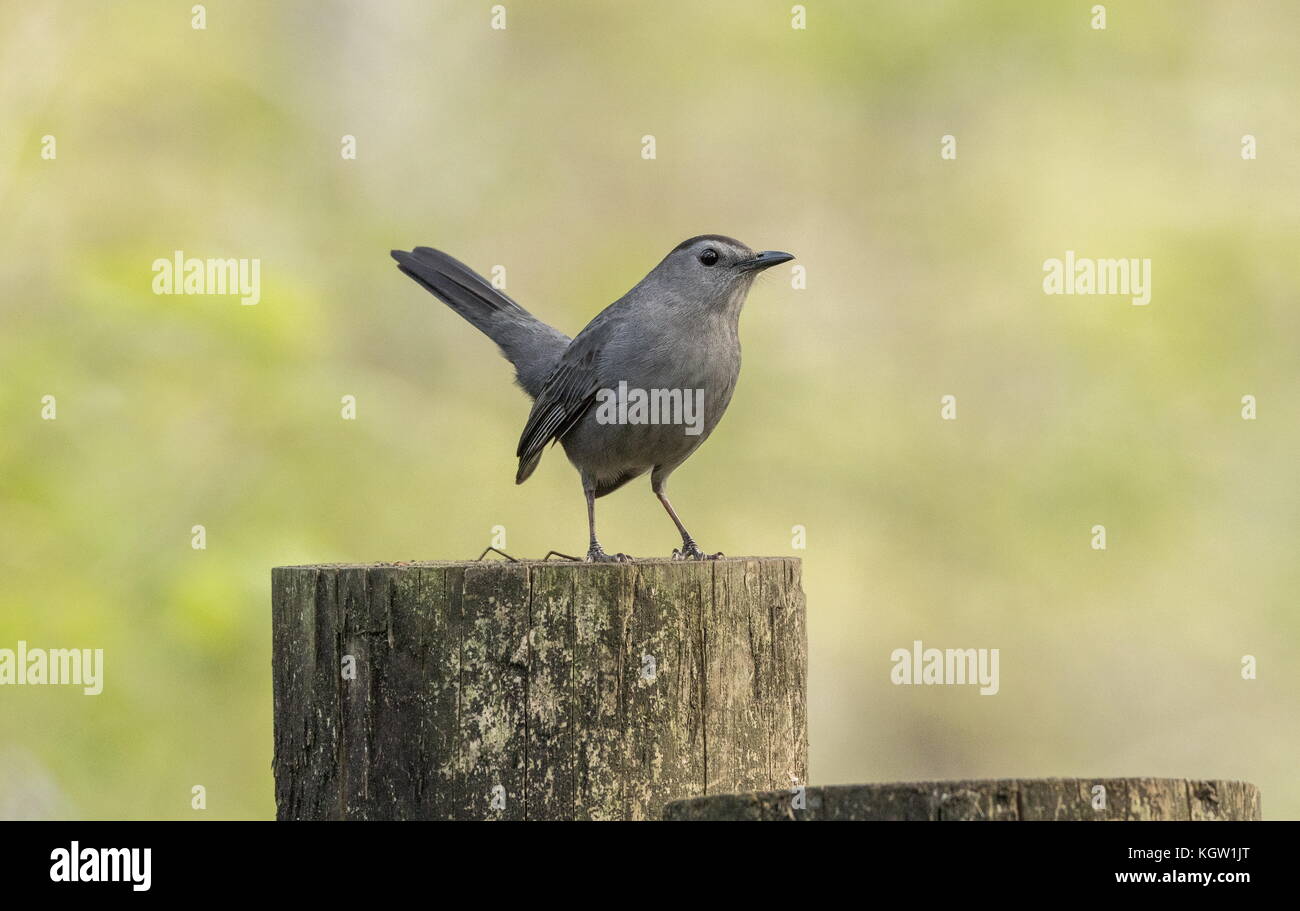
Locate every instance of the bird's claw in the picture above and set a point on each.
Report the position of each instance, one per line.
(691, 551)
(597, 555)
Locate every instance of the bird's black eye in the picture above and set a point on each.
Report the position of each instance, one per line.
(709, 256)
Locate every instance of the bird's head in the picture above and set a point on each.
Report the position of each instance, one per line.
(721, 267)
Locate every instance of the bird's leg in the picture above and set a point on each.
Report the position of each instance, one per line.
(690, 550)
(596, 554)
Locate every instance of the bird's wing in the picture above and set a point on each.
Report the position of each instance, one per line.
(569, 391)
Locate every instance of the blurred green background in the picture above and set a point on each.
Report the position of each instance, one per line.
(522, 148)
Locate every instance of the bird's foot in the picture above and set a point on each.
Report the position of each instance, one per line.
(597, 555)
(691, 551)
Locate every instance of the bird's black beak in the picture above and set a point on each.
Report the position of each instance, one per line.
(765, 260)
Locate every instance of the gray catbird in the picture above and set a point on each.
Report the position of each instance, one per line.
(641, 387)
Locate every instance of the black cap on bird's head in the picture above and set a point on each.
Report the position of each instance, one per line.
(717, 261)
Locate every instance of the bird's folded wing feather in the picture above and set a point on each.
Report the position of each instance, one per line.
(569, 391)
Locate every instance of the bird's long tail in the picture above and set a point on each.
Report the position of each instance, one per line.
(528, 343)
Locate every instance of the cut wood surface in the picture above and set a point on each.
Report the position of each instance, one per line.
(534, 690)
(1006, 799)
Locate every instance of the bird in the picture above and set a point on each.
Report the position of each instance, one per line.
(640, 388)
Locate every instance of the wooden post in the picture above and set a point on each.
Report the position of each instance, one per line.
(1008, 799)
(497, 690)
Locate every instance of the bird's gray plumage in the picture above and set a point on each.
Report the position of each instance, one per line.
(677, 329)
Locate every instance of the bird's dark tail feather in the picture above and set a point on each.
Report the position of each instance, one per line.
(532, 346)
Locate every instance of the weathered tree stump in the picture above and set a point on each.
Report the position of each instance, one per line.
(534, 690)
(1008, 799)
